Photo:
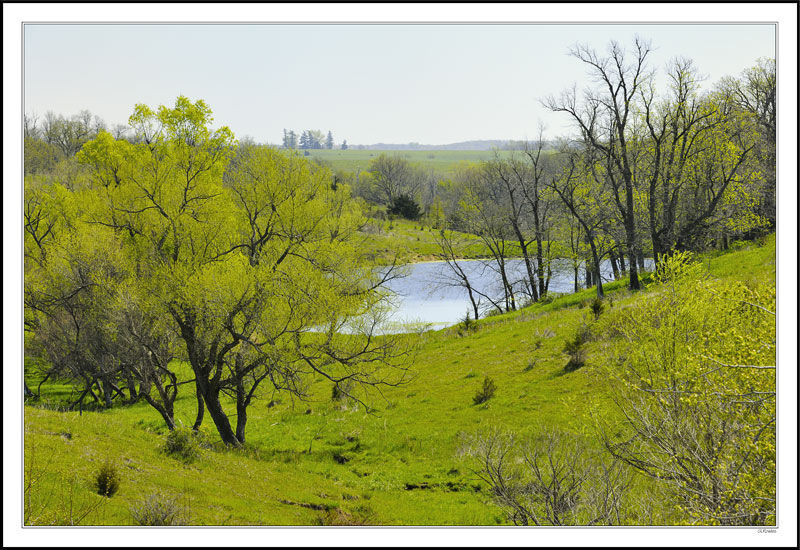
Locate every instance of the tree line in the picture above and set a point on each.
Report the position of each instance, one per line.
(646, 173)
(309, 139)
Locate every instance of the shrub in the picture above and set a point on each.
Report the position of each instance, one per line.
(574, 348)
(405, 206)
(107, 480)
(468, 324)
(486, 392)
(185, 443)
(158, 510)
(597, 306)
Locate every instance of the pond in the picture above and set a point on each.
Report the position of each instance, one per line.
(427, 295)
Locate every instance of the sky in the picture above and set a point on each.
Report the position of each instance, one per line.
(391, 83)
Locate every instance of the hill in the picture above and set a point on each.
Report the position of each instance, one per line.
(327, 462)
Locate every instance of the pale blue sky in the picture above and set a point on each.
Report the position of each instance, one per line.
(365, 83)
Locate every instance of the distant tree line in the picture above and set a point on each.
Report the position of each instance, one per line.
(309, 139)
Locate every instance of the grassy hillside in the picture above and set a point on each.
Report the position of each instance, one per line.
(326, 462)
(442, 162)
(413, 241)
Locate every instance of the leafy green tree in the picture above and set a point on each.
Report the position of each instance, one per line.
(700, 165)
(253, 263)
(693, 376)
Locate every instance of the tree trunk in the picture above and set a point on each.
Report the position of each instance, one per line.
(219, 417)
(588, 275)
(201, 408)
(634, 272)
(241, 422)
(577, 282)
(596, 262)
(614, 267)
(525, 256)
(540, 267)
(165, 411)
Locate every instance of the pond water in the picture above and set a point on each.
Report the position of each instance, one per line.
(428, 296)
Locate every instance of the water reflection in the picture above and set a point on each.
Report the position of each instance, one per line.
(428, 295)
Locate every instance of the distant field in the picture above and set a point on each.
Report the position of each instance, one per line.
(442, 162)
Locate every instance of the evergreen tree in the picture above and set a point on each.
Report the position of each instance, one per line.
(305, 140)
(329, 141)
(344, 144)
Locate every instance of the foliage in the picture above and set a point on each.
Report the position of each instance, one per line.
(550, 479)
(574, 347)
(694, 372)
(486, 392)
(158, 509)
(107, 479)
(597, 306)
(404, 205)
(185, 443)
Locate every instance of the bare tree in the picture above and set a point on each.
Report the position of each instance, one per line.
(550, 479)
(606, 119)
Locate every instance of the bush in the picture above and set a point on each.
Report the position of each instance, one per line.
(158, 510)
(107, 480)
(574, 348)
(597, 306)
(405, 206)
(185, 443)
(485, 393)
(468, 324)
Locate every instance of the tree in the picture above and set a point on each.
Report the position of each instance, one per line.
(392, 176)
(405, 206)
(699, 165)
(305, 142)
(588, 203)
(755, 92)
(550, 479)
(344, 145)
(254, 267)
(693, 375)
(485, 216)
(329, 141)
(606, 121)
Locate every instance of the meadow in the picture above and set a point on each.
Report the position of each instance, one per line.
(444, 163)
(325, 461)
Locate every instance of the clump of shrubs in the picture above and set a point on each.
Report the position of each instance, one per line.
(107, 480)
(574, 348)
(185, 443)
(597, 306)
(468, 324)
(158, 510)
(486, 392)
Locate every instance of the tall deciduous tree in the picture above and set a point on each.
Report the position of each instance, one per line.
(256, 271)
(606, 120)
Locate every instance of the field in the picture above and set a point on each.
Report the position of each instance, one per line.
(325, 462)
(443, 163)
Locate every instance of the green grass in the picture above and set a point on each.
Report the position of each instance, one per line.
(307, 463)
(413, 241)
(443, 163)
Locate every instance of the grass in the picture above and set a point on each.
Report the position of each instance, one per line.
(318, 463)
(413, 241)
(443, 163)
